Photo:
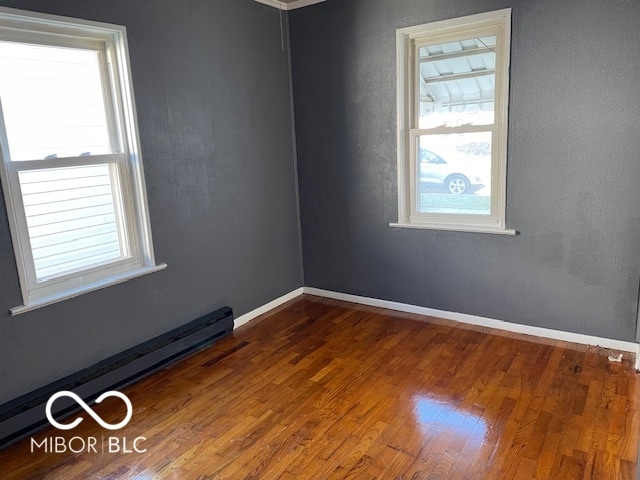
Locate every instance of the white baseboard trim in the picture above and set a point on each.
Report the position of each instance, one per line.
(247, 317)
(484, 322)
(456, 317)
(290, 5)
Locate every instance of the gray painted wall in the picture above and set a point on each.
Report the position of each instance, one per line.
(214, 107)
(573, 174)
(214, 110)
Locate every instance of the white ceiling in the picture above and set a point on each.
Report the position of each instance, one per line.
(289, 4)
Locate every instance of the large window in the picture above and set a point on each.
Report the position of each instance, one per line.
(71, 166)
(453, 81)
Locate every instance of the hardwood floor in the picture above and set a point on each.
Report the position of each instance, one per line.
(321, 389)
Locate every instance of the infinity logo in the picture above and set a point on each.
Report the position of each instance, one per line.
(89, 410)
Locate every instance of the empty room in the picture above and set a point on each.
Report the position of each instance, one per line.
(319, 239)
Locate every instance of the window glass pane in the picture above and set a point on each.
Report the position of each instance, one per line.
(454, 173)
(71, 218)
(457, 83)
(52, 101)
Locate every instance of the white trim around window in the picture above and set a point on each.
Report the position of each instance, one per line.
(71, 168)
(457, 55)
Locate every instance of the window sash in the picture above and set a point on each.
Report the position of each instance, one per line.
(130, 258)
(415, 216)
(437, 39)
(111, 92)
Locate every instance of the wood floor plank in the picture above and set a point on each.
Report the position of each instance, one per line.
(323, 389)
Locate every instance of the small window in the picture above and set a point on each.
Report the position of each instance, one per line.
(453, 90)
(71, 166)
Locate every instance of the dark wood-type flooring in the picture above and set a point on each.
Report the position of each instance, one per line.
(321, 389)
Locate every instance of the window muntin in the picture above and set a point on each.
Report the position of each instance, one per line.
(72, 175)
(452, 103)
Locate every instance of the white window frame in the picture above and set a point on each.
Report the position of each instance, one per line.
(408, 40)
(125, 163)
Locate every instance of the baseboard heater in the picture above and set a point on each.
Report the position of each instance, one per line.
(25, 415)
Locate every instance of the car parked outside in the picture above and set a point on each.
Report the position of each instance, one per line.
(457, 177)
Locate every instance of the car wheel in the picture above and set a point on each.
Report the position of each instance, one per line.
(457, 184)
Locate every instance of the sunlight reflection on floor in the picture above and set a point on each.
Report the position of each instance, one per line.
(438, 416)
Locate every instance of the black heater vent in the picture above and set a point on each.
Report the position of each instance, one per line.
(26, 414)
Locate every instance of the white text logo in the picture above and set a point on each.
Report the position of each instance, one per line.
(76, 445)
(89, 410)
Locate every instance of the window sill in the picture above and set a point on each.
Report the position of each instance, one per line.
(106, 282)
(457, 228)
